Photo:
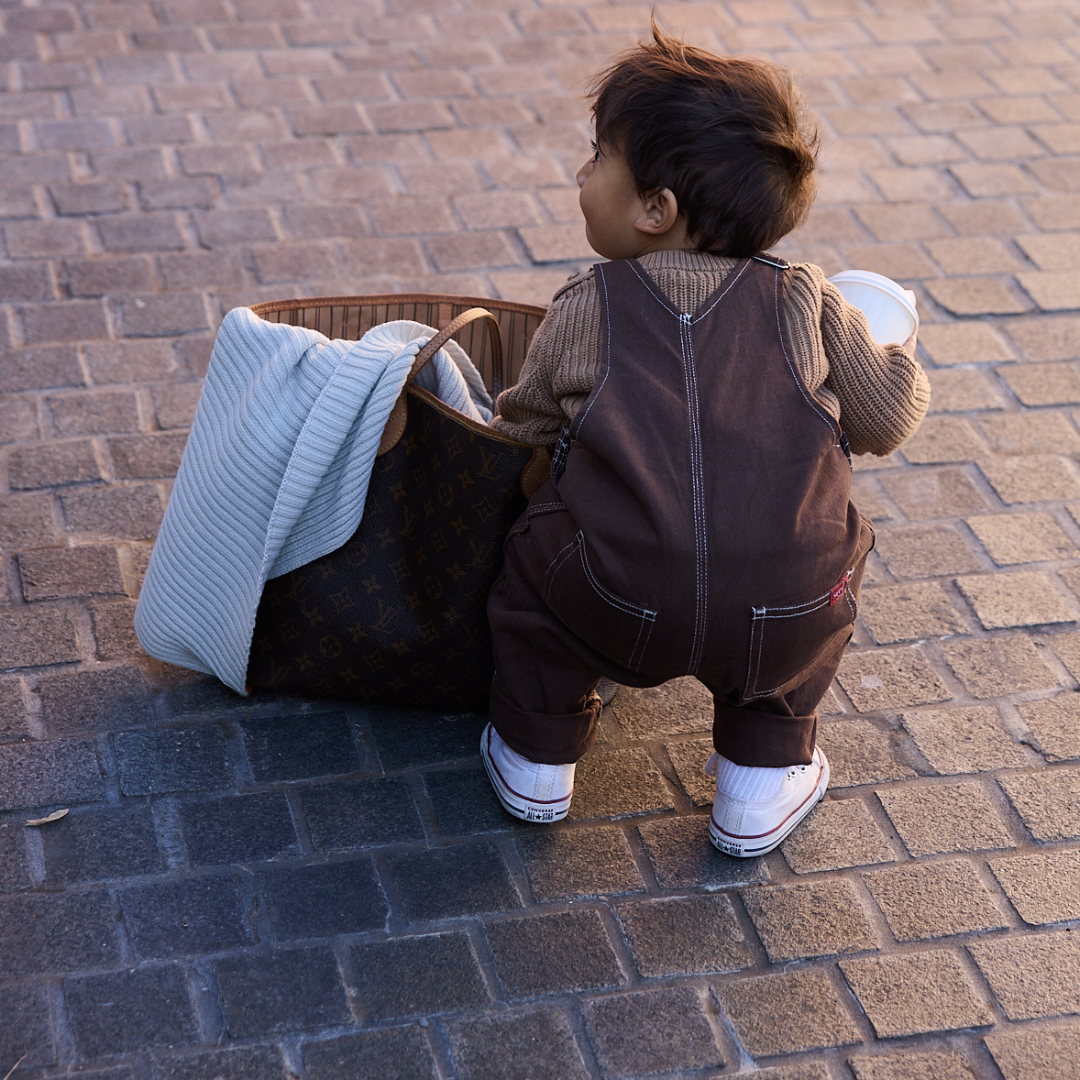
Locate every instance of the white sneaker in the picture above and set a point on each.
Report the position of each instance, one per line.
(528, 790)
(756, 808)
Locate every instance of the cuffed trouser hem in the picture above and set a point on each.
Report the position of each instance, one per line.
(541, 737)
(749, 737)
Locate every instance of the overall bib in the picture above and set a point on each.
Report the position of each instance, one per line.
(698, 522)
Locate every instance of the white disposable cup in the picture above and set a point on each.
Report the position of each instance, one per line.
(889, 308)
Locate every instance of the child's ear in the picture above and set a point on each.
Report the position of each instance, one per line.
(659, 213)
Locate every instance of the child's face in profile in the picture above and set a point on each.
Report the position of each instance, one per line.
(610, 202)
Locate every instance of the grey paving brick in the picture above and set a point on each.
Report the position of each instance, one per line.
(688, 758)
(173, 759)
(681, 706)
(685, 935)
(147, 457)
(101, 276)
(839, 833)
(651, 1031)
(99, 843)
(46, 773)
(114, 631)
(87, 701)
(860, 753)
(498, 1045)
(412, 976)
(50, 465)
(27, 1028)
(935, 1065)
(682, 856)
(810, 919)
(889, 679)
(963, 740)
(993, 667)
(14, 720)
(237, 829)
(90, 414)
(56, 932)
(934, 900)
(544, 954)
(453, 881)
(570, 864)
(933, 819)
(14, 864)
(1044, 888)
(130, 1011)
(1032, 1052)
(922, 609)
(785, 1013)
(1047, 802)
(324, 900)
(241, 1063)
(185, 918)
(360, 814)
(413, 738)
(1033, 975)
(289, 990)
(40, 368)
(300, 745)
(400, 1053)
(128, 513)
(60, 572)
(465, 803)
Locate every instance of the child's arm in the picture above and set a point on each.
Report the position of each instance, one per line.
(553, 380)
(882, 389)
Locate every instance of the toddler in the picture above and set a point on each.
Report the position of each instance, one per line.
(701, 399)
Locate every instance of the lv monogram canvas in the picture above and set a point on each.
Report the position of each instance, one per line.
(398, 614)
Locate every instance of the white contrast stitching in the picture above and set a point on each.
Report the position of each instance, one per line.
(734, 279)
(606, 595)
(555, 566)
(656, 295)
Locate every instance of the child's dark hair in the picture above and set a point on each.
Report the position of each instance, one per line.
(729, 136)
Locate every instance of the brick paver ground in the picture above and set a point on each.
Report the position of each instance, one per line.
(255, 889)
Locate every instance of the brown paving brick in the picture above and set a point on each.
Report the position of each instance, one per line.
(782, 1014)
(1048, 802)
(963, 343)
(36, 636)
(18, 419)
(614, 783)
(963, 740)
(932, 900)
(1067, 648)
(679, 706)
(859, 753)
(1044, 888)
(1000, 143)
(1054, 724)
(890, 678)
(137, 457)
(1020, 538)
(925, 551)
(903, 222)
(972, 255)
(1060, 251)
(918, 992)
(1034, 975)
(895, 613)
(867, 495)
(962, 390)
(1033, 1052)
(911, 1065)
(936, 818)
(1043, 384)
(688, 759)
(1032, 478)
(818, 918)
(1025, 598)
(46, 465)
(114, 631)
(1052, 290)
(686, 935)
(977, 296)
(1046, 338)
(944, 439)
(935, 493)
(898, 261)
(60, 572)
(572, 864)
(838, 834)
(1054, 213)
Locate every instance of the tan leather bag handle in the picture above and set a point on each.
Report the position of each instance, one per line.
(444, 335)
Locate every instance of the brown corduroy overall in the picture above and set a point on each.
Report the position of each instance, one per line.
(697, 522)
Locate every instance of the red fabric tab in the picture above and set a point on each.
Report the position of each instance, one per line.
(838, 589)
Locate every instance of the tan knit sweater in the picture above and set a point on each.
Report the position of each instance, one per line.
(879, 394)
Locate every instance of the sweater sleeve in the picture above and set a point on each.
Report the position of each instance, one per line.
(556, 376)
(882, 390)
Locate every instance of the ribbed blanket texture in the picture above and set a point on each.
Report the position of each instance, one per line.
(275, 473)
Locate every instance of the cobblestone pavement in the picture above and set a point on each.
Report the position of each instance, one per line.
(254, 889)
